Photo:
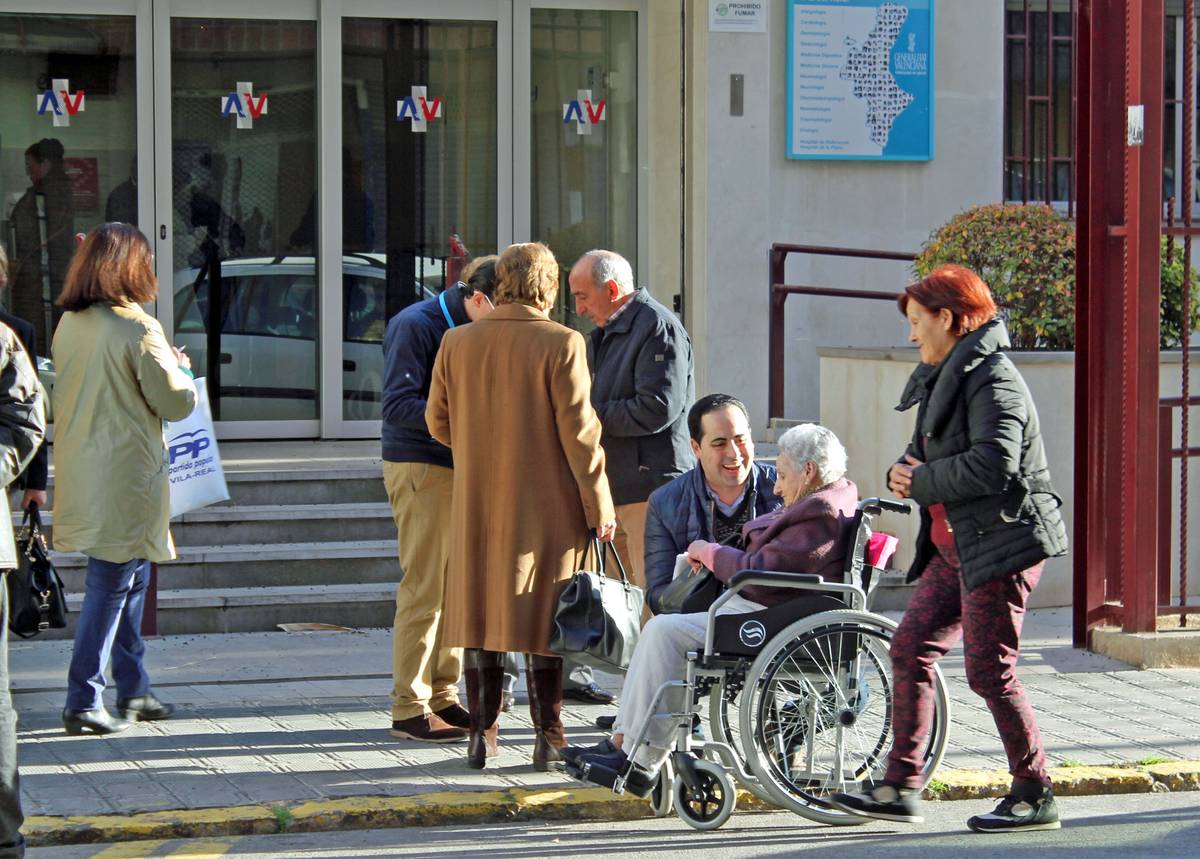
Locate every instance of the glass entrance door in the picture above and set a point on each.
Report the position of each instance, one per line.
(68, 144)
(423, 123)
(237, 204)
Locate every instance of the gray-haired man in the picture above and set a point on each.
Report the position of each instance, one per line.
(642, 386)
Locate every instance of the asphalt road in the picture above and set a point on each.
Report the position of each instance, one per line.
(1149, 825)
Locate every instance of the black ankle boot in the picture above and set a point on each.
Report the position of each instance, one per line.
(145, 708)
(98, 721)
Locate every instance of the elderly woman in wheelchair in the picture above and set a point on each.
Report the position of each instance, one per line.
(795, 669)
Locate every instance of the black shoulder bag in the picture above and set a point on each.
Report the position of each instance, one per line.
(35, 592)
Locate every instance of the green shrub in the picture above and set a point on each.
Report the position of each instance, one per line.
(1171, 306)
(1026, 254)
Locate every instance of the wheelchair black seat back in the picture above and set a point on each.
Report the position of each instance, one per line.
(745, 634)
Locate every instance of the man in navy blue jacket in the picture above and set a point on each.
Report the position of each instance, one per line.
(715, 499)
(642, 382)
(417, 471)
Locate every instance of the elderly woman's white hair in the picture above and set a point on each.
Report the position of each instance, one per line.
(814, 443)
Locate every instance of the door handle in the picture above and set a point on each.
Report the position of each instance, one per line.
(225, 358)
(349, 366)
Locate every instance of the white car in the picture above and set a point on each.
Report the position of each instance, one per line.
(269, 333)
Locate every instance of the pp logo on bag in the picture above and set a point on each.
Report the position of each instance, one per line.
(752, 633)
(193, 443)
(192, 456)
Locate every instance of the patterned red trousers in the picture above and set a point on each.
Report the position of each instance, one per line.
(988, 619)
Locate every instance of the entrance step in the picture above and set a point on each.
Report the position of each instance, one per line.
(226, 525)
(365, 562)
(307, 536)
(194, 612)
(354, 483)
(223, 525)
(777, 426)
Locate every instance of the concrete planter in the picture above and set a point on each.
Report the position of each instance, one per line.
(859, 392)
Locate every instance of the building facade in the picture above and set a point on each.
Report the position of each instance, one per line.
(305, 168)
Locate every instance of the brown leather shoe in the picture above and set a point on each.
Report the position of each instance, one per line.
(427, 728)
(455, 715)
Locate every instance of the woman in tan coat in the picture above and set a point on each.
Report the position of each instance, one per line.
(510, 395)
(118, 379)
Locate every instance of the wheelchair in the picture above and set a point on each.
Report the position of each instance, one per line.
(799, 699)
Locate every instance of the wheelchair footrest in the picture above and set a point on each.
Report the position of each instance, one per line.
(637, 781)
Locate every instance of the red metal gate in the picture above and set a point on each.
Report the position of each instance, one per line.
(1120, 544)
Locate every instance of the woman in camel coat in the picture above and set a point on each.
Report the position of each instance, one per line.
(510, 396)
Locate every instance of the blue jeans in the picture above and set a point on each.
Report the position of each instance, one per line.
(110, 624)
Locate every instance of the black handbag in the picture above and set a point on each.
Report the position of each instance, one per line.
(691, 593)
(598, 619)
(36, 601)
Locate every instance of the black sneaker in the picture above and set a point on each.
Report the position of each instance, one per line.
(882, 802)
(1019, 814)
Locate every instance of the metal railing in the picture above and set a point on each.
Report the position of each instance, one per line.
(1167, 454)
(779, 291)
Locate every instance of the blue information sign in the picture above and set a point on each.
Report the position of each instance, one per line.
(860, 79)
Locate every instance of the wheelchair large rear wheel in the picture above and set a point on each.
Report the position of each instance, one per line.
(816, 712)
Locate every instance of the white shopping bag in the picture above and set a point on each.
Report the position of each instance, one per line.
(197, 478)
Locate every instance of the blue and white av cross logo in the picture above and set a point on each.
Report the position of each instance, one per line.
(193, 443)
(419, 109)
(241, 103)
(59, 102)
(583, 112)
(752, 633)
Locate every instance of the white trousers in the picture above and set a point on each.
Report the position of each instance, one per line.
(661, 657)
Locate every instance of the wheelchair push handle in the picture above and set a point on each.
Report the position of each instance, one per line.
(885, 504)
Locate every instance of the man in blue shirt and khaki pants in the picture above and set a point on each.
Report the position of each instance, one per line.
(418, 474)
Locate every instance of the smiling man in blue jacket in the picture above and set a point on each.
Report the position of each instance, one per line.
(418, 474)
(715, 499)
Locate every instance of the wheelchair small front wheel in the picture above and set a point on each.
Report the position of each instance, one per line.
(661, 796)
(711, 805)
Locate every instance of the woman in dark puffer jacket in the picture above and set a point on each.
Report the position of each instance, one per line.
(989, 519)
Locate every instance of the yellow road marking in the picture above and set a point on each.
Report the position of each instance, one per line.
(129, 850)
(204, 848)
(201, 848)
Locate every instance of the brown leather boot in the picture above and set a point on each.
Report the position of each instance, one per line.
(544, 674)
(484, 673)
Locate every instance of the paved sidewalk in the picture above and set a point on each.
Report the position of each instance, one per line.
(285, 717)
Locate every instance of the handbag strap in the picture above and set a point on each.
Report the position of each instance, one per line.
(596, 552)
(600, 559)
(620, 566)
(32, 519)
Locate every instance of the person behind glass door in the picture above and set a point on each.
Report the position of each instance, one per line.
(358, 213)
(34, 478)
(22, 427)
(43, 238)
(117, 380)
(122, 203)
